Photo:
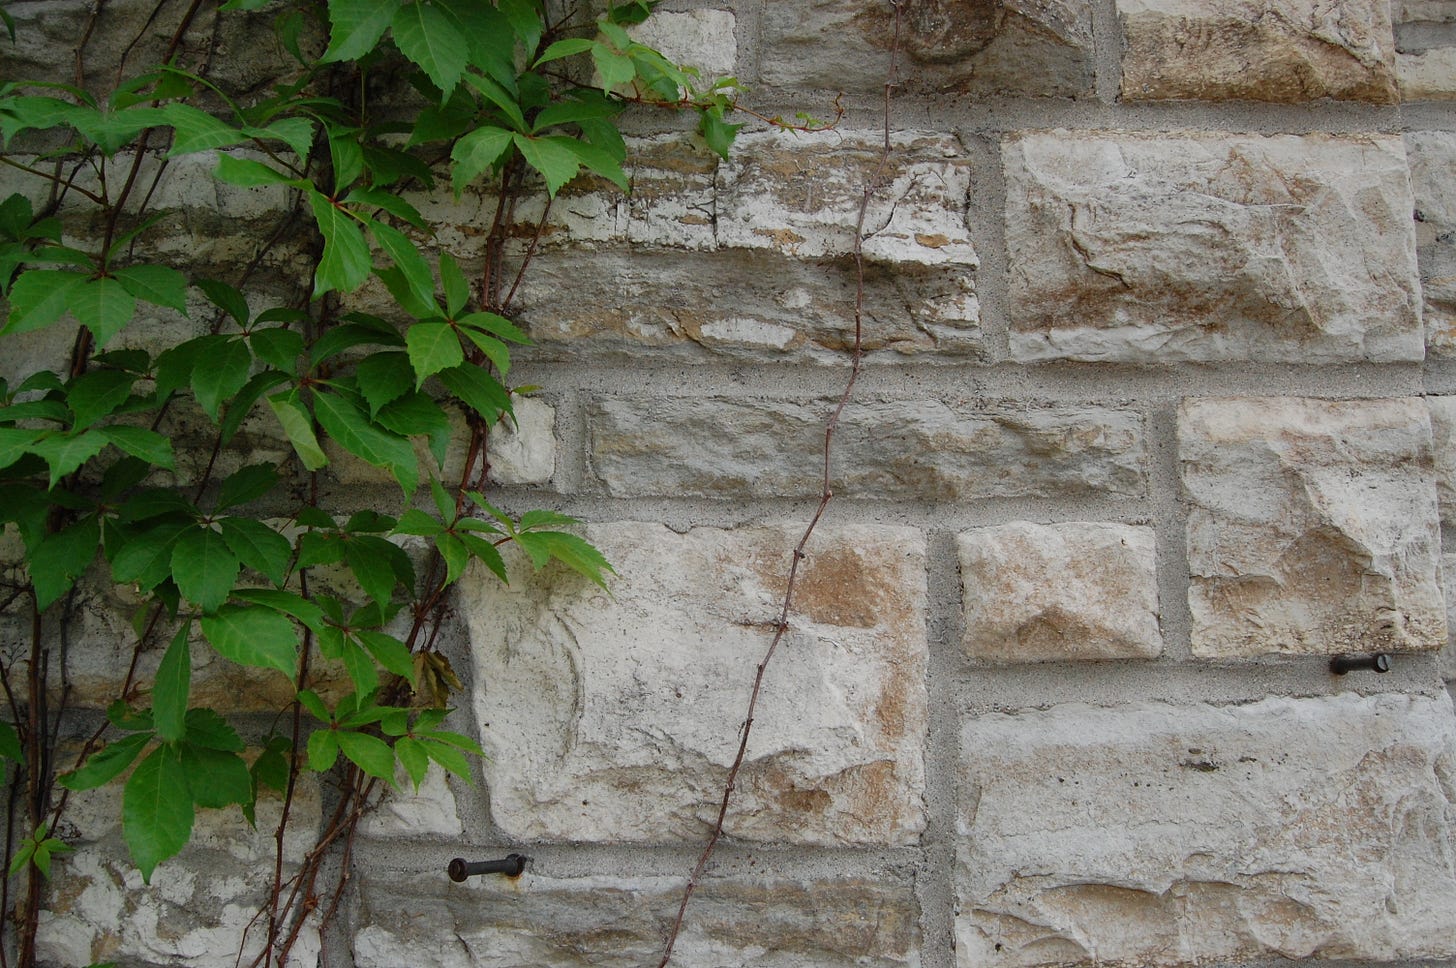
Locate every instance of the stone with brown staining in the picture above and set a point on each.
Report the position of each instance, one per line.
(637, 698)
(1167, 834)
(1059, 592)
(1312, 526)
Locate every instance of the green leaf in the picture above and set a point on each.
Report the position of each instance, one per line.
(61, 558)
(220, 373)
(718, 133)
(146, 559)
(476, 152)
(451, 759)
(171, 686)
(299, 428)
(510, 107)
(159, 285)
(253, 635)
(297, 133)
(456, 556)
(585, 106)
(15, 443)
(94, 395)
(389, 652)
(207, 729)
(478, 390)
(371, 569)
(156, 810)
(525, 19)
(428, 37)
(270, 769)
(414, 759)
(497, 352)
(10, 743)
(411, 265)
(147, 445)
(353, 431)
(279, 347)
(105, 764)
(65, 453)
(345, 263)
(247, 173)
(384, 377)
(613, 68)
(198, 131)
(600, 161)
(103, 306)
(356, 26)
(347, 156)
(487, 552)
(415, 521)
(568, 549)
(246, 484)
(204, 567)
(216, 778)
(388, 201)
(569, 47)
(361, 668)
(432, 347)
(323, 750)
(286, 602)
(370, 753)
(258, 547)
(556, 162)
(457, 290)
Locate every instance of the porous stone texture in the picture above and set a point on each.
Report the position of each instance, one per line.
(1200, 246)
(1429, 75)
(200, 906)
(523, 451)
(926, 450)
(1054, 592)
(701, 39)
(1258, 50)
(1443, 436)
(1160, 834)
(621, 921)
(1041, 48)
(1312, 526)
(1432, 160)
(1448, 654)
(429, 811)
(636, 698)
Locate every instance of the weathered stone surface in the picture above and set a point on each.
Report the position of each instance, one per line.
(702, 39)
(636, 699)
(1165, 247)
(1056, 592)
(1432, 160)
(1448, 654)
(1034, 47)
(922, 450)
(620, 921)
(1258, 50)
(200, 905)
(1429, 75)
(1312, 526)
(526, 452)
(1443, 436)
(429, 811)
(1177, 835)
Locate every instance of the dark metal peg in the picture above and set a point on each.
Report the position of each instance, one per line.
(1341, 664)
(511, 866)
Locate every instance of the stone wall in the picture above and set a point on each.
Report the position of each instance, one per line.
(1158, 414)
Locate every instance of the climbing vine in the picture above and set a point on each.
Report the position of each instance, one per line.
(104, 478)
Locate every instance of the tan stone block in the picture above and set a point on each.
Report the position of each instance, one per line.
(1432, 160)
(1057, 592)
(1312, 526)
(614, 718)
(1258, 50)
(1160, 834)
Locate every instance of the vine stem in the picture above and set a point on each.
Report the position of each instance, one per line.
(825, 496)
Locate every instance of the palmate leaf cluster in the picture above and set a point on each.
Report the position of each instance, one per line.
(89, 469)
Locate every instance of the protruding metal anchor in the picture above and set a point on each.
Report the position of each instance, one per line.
(511, 866)
(1341, 664)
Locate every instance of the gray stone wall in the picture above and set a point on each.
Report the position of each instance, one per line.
(1157, 415)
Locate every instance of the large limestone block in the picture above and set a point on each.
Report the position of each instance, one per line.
(1432, 162)
(1033, 47)
(1161, 834)
(1443, 435)
(201, 904)
(1258, 50)
(1312, 526)
(1056, 592)
(1159, 247)
(1428, 75)
(615, 718)
(619, 921)
(929, 450)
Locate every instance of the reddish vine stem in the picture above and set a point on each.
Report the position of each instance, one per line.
(826, 494)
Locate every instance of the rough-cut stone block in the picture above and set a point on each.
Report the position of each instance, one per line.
(1033, 47)
(1312, 526)
(921, 450)
(200, 906)
(526, 452)
(702, 39)
(1432, 161)
(745, 305)
(1443, 435)
(1162, 247)
(1055, 592)
(1429, 75)
(429, 811)
(620, 921)
(1178, 835)
(1258, 50)
(636, 698)
(1448, 654)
